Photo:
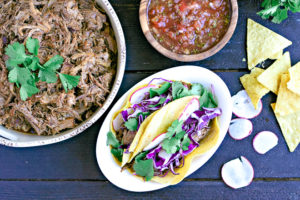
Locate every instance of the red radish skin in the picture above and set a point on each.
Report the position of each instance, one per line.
(272, 136)
(158, 139)
(251, 170)
(245, 135)
(192, 106)
(242, 106)
(139, 94)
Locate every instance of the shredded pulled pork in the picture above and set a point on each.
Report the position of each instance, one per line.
(77, 30)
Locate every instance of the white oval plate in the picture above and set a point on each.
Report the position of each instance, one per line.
(17, 139)
(192, 74)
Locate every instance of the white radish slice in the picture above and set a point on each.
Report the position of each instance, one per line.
(237, 173)
(138, 95)
(243, 107)
(264, 142)
(240, 128)
(156, 141)
(117, 122)
(192, 106)
(163, 154)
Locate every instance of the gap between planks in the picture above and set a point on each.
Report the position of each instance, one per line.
(186, 180)
(155, 71)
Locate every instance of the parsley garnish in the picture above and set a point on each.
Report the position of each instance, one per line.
(278, 9)
(158, 91)
(23, 68)
(144, 167)
(131, 124)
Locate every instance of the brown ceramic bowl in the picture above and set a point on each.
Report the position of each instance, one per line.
(183, 57)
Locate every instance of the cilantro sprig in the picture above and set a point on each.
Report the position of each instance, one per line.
(23, 68)
(277, 10)
(144, 167)
(115, 144)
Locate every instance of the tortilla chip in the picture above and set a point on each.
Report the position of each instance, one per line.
(287, 101)
(262, 43)
(270, 78)
(294, 83)
(277, 55)
(290, 128)
(206, 144)
(254, 89)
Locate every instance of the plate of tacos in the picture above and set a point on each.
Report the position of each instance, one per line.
(164, 128)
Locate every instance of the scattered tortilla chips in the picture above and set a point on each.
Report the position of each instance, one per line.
(270, 78)
(262, 43)
(287, 101)
(254, 89)
(290, 128)
(277, 55)
(294, 83)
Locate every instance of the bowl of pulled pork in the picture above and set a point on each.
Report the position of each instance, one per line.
(61, 66)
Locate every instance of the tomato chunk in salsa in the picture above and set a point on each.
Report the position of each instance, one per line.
(188, 26)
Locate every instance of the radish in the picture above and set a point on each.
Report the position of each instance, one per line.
(163, 154)
(237, 173)
(156, 141)
(264, 142)
(117, 122)
(192, 106)
(240, 128)
(138, 95)
(243, 107)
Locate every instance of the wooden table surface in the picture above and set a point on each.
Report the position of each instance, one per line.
(68, 170)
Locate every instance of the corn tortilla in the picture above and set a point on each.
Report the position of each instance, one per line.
(294, 83)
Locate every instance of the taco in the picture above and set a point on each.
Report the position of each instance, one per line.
(176, 134)
(129, 124)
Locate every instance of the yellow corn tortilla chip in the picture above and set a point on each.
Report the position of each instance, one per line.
(270, 78)
(290, 128)
(262, 43)
(294, 83)
(277, 55)
(287, 101)
(254, 89)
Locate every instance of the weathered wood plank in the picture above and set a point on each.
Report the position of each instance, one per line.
(206, 190)
(141, 55)
(75, 158)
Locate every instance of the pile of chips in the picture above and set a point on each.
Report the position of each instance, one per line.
(280, 78)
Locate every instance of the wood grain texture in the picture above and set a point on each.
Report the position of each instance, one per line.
(142, 56)
(89, 190)
(75, 158)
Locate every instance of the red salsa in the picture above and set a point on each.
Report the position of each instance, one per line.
(188, 26)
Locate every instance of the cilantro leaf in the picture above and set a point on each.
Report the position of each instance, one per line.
(207, 100)
(197, 89)
(175, 127)
(144, 168)
(68, 81)
(33, 45)
(35, 64)
(161, 90)
(20, 75)
(180, 134)
(161, 101)
(179, 90)
(47, 76)
(117, 153)
(54, 63)
(144, 114)
(16, 53)
(112, 140)
(140, 156)
(185, 143)
(171, 145)
(131, 124)
(27, 91)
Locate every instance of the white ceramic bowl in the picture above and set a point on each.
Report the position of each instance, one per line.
(16, 139)
(192, 74)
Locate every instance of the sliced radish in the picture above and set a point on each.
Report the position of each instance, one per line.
(156, 141)
(163, 154)
(237, 173)
(117, 122)
(264, 142)
(192, 106)
(240, 128)
(158, 81)
(138, 95)
(243, 107)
